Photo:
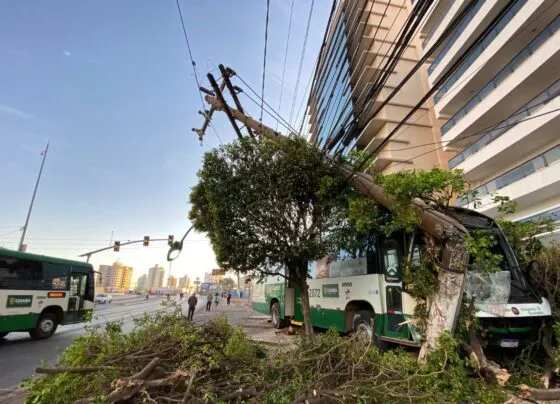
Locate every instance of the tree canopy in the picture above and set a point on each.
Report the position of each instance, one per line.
(268, 206)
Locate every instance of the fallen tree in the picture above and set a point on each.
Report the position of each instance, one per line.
(168, 360)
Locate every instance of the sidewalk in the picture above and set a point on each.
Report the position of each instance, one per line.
(12, 396)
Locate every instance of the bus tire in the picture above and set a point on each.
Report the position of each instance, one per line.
(275, 316)
(3, 334)
(364, 322)
(46, 326)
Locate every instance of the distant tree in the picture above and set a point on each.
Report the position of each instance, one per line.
(229, 283)
(271, 207)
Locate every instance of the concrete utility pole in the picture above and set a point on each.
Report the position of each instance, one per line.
(445, 305)
(22, 246)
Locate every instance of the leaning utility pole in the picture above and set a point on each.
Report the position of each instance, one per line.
(22, 247)
(444, 306)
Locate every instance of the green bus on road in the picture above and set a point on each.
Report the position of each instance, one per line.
(365, 290)
(38, 293)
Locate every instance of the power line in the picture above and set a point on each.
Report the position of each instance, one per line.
(487, 130)
(345, 123)
(445, 76)
(301, 60)
(484, 131)
(274, 115)
(11, 232)
(264, 58)
(285, 60)
(464, 79)
(286, 124)
(193, 63)
(190, 52)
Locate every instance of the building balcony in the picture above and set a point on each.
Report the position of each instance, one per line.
(528, 184)
(518, 82)
(512, 34)
(533, 128)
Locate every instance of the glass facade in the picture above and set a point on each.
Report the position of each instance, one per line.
(546, 159)
(481, 47)
(458, 31)
(332, 97)
(503, 74)
(529, 109)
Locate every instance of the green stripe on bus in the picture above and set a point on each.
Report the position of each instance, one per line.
(261, 307)
(18, 322)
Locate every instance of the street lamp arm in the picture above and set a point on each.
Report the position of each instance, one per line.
(178, 246)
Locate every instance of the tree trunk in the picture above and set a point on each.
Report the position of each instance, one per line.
(306, 309)
(446, 303)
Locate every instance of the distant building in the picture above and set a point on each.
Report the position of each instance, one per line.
(142, 283)
(172, 282)
(104, 276)
(156, 277)
(116, 277)
(122, 276)
(184, 282)
(207, 277)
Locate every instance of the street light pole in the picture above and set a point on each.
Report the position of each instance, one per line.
(44, 154)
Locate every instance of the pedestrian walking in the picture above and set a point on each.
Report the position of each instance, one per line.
(228, 297)
(147, 299)
(217, 299)
(209, 302)
(192, 305)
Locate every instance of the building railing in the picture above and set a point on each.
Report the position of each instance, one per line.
(529, 109)
(507, 71)
(551, 214)
(436, 25)
(458, 31)
(532, 166)
(481, 47)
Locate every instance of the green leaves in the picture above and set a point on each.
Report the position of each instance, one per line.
(267, 205)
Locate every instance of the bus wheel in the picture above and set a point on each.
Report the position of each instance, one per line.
(3, 334)
(46, 326)
(275, 314)
(362, 326)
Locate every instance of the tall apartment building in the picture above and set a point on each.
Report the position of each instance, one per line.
(116, 277)
(142, 283)
(172, 282)
(105, 275)
(184, 282)
(341, 111)
(499, 112)
(122, 278)
(156, 277)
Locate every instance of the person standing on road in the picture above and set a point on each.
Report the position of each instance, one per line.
(147, 297)
(192, 305)
(228, 297)
(209, 302)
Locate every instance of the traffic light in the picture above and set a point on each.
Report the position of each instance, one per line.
(170, 239)
(117, 246)
(146, 241)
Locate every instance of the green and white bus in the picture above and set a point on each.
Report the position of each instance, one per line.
(353, 290)
(38, 293)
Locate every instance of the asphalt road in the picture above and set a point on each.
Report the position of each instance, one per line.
(19, 355)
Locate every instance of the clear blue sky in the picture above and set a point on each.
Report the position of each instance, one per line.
(109, 84)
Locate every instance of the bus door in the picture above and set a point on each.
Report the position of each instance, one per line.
(76, 300)
(391, 261)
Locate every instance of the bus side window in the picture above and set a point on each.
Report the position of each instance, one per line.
(391, 260)
(372, 255)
